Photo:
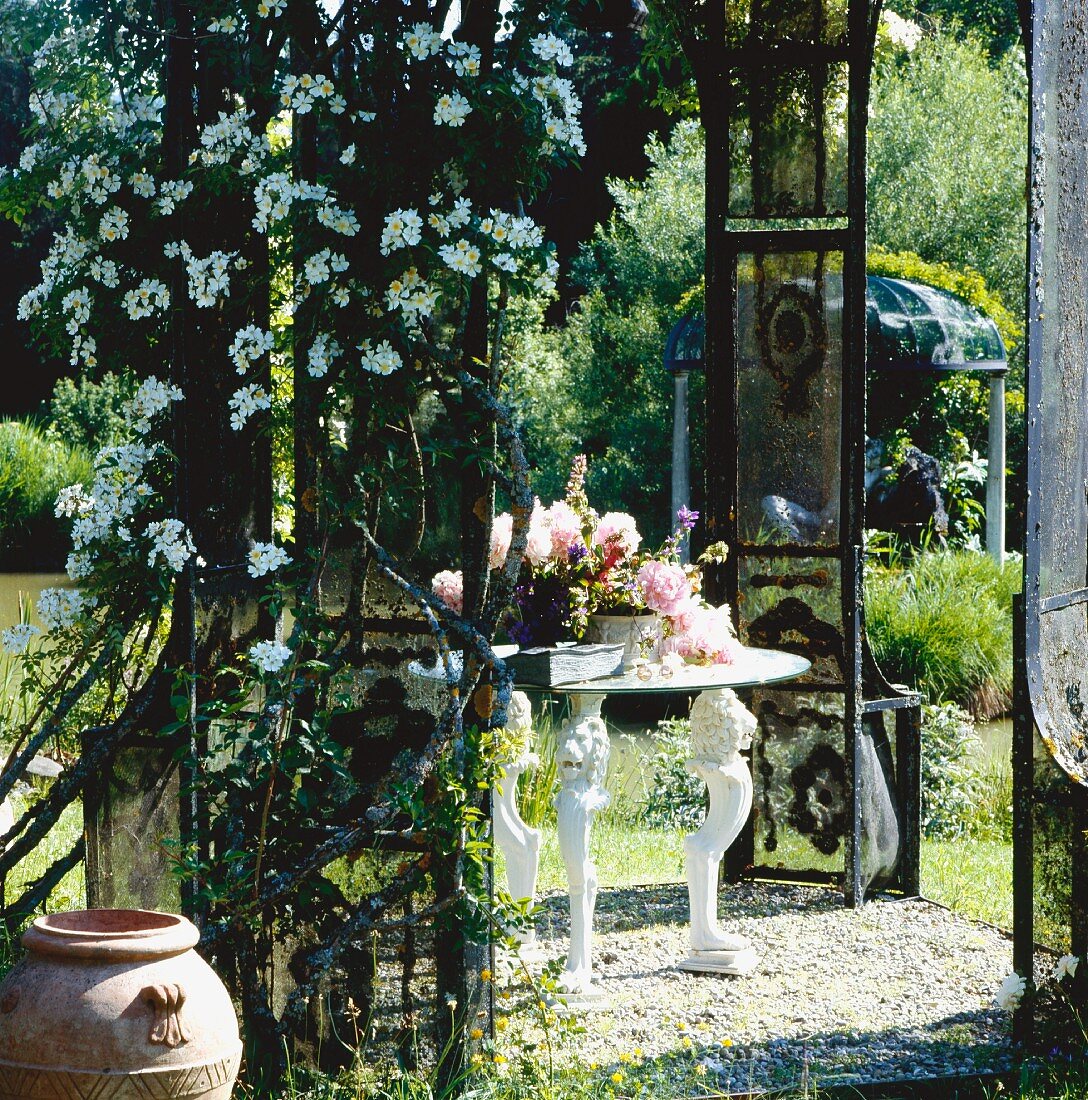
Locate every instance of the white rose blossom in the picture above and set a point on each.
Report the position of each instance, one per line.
(266, 557)
(16, 639)
(245, 402)
(1066, 967)
(170, 540)
(60, 608)
(269, 656)
(1011, 993)
(152, 398)
(422, 41)
(402, 230)
(380, 360)
(451, 110)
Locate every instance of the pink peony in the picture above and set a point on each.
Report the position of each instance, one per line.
(538, 548)
(617, 531)
(502, 530)
(702, 633)
(448, 586)
(565, 528)
(665, 587)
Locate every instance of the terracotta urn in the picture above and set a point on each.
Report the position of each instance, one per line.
(115, 1003)
(640, 635)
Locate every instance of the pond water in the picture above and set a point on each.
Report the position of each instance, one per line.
(25, 587)
(996, 737)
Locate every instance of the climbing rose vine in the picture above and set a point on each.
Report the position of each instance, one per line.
(300, 227)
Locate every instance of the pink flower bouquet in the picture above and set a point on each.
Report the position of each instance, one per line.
(578, 563)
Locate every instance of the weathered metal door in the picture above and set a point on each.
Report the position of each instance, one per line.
(1051, 736)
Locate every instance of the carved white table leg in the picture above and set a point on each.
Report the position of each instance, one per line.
(519, 843)
(582, 761)
(720, 727)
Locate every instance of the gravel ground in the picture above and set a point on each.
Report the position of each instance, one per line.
(895, 990)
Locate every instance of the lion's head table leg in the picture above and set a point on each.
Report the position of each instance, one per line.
(721, 726)
(520, 844)
(582, 762)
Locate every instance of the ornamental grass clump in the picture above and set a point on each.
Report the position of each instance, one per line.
(942, 623)
(33, 469)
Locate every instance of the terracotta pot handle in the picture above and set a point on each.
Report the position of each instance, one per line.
(167, 1027)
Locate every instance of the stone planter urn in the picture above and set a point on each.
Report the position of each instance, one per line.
(640, 635)
(110, 1004)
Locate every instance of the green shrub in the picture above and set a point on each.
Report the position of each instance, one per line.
(85, 413)
(33, 469)
(675, 799)
(951, 783)
(942, 623)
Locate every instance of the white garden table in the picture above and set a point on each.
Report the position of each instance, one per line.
(721, 727)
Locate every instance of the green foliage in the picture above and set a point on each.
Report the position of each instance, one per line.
(946, 189)
(675, 799)
(597, 384)
(537, 786)
(995, 22)
(33, 469)
(943, 624)
(947, 159)
(950, 783)
(88, 414)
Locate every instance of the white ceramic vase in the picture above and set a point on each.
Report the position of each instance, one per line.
(640, 635)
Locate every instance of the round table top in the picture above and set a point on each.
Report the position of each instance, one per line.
(752, 668)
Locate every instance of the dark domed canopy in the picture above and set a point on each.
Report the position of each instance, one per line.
(912, 326)
(909, 326)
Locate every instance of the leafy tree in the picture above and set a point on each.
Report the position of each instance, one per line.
(597, 383)
(995, 22)
(947, 159)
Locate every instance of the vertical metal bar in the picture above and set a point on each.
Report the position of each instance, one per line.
(995, 471)
(1026, 606)
(853, 885)
(908, 778)
(1078, 900)
(681, 455)
(720, 354)
(1023, 801)
(853, 433)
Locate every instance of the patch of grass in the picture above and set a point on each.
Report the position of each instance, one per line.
(625, 855)
(942, 623)
(971, 876)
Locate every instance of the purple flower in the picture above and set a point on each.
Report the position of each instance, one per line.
(576, 552)
(686, 517)
(543, 612)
